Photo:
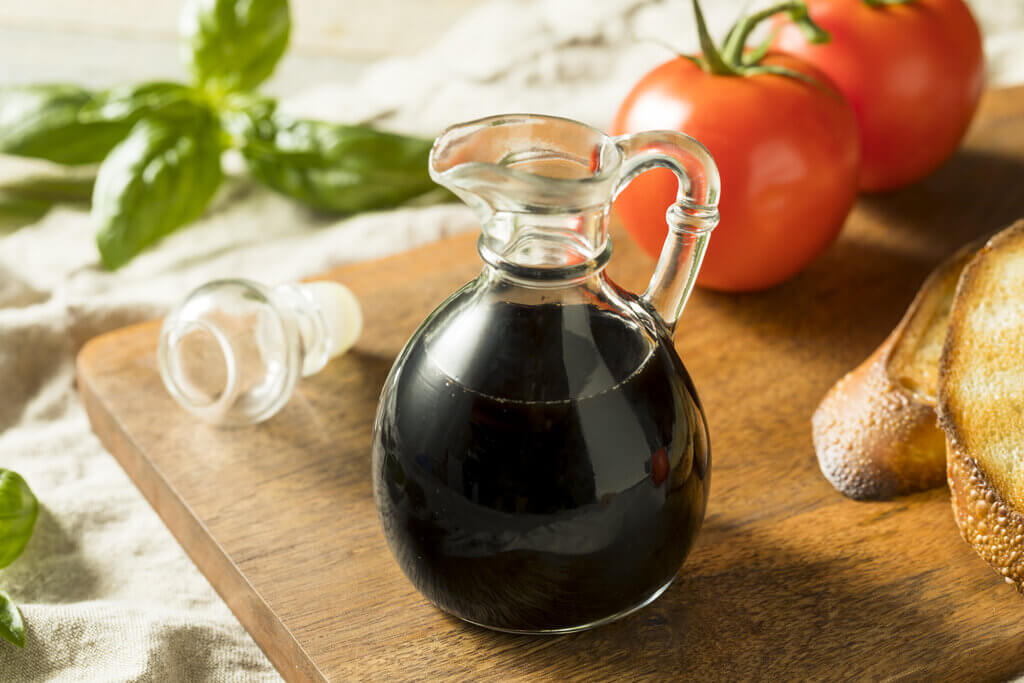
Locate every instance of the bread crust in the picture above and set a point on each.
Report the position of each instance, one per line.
(993, 527)
(987, 520)
(876, 439)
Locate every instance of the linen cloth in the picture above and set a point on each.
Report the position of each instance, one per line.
(106, 592)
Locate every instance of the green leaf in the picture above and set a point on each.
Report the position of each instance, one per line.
(70, 125)
(17, 212)
(27, 199)
(159, 178)
(127, 104)
(12, 628)
(335, 167)
(232, 45)
(50, 188)
(18, 511)
(42, 121)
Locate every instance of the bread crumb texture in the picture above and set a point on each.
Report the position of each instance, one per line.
(984, 365)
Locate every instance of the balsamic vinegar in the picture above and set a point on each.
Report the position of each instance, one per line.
(544, 490)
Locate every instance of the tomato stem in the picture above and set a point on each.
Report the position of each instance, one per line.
(733, 61)
(712, 60)
(732, 52)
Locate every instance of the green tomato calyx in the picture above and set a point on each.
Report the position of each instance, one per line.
(733, 59)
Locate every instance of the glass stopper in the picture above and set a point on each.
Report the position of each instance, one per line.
(232, 351)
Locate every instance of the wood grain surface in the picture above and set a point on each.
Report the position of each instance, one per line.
(788, 578)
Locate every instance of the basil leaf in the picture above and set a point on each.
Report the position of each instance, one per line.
(128, 103)
(12, 628)
(157, 179)
(41, 121)
(232, 45)
(18, 511)
(75, 188)
(337, 168)
(17, 212)
(71, 125)
(26, 200)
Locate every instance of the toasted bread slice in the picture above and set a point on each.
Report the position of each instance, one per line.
(981, 403)
(875, 431)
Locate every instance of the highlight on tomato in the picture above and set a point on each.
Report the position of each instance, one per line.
(912, 70)
(785, 142)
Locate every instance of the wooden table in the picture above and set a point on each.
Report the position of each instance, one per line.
(788, 578)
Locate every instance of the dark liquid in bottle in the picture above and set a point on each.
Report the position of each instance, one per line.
(558, 484)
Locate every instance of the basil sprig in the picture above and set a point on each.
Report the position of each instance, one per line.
(337, 168)
(18, 511)
(159, 143)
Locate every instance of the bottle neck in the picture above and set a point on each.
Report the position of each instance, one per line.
(547, 249)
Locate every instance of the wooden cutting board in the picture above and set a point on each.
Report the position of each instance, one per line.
(788, 579)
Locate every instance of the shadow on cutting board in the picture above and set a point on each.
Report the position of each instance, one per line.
(759, 605)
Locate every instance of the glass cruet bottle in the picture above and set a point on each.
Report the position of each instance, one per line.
(540, 456)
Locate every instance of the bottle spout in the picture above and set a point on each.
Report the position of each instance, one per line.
(525, 163)
(540, 185)
(691, 218)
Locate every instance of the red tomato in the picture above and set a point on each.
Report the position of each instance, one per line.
(912, 72)
(787, 152)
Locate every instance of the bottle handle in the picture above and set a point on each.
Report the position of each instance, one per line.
(691, 218)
